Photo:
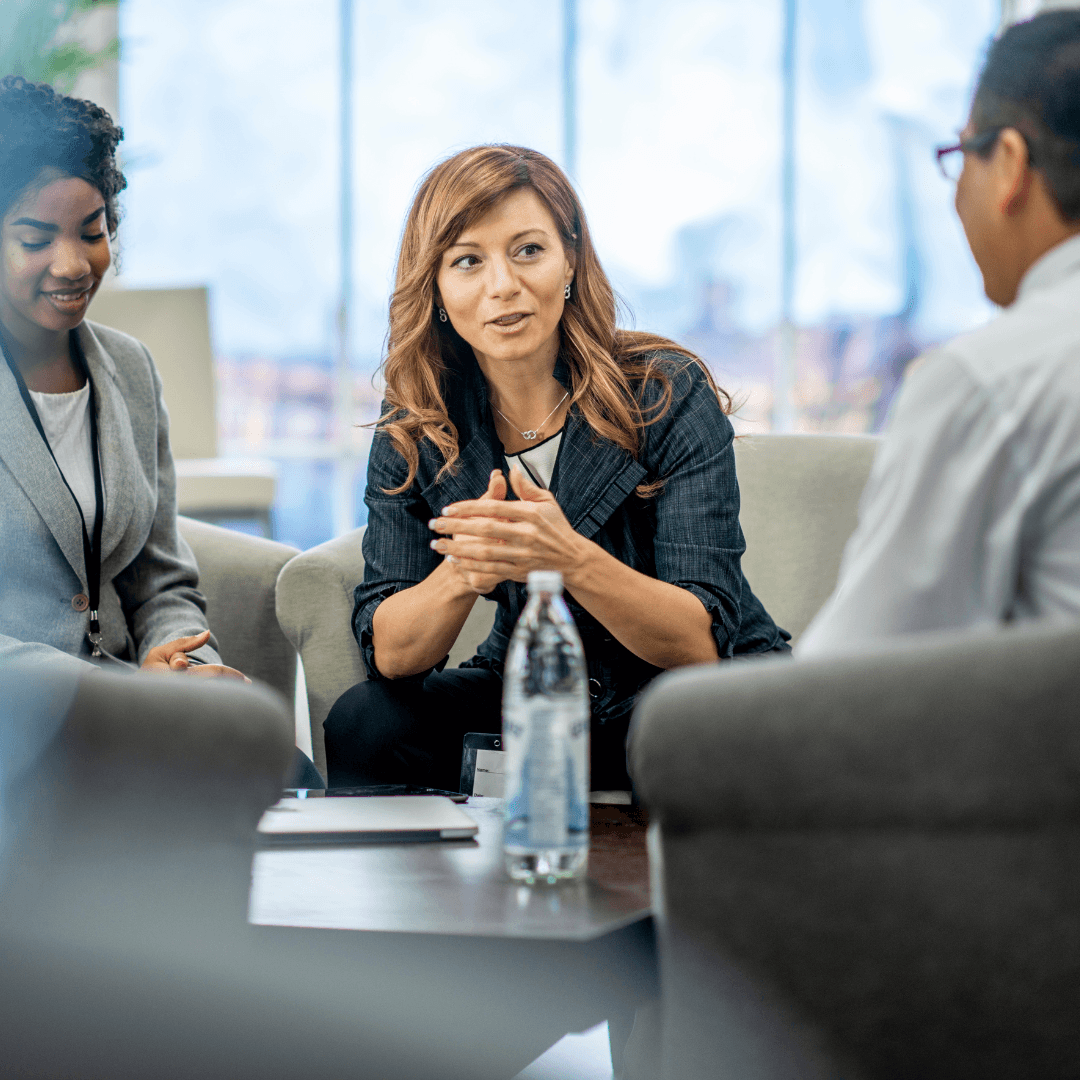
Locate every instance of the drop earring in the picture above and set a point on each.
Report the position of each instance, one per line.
(566, 292)
(442, 314)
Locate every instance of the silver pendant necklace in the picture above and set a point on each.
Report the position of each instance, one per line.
(532, 432)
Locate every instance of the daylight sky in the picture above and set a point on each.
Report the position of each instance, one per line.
(231, 113)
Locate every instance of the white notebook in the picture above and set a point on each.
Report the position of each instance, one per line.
(366, 819)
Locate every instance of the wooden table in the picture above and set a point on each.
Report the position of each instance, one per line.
(544, 959)
(456, 887)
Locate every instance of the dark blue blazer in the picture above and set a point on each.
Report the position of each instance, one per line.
(688, 534)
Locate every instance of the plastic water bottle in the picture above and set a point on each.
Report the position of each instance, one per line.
(546, 739)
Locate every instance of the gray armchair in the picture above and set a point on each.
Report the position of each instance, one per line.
(870, 866)
(128, 806)
(128, 838)
(237, 575)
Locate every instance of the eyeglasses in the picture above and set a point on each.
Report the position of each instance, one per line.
(950, 159)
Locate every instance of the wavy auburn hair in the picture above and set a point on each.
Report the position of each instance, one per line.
(609, 367)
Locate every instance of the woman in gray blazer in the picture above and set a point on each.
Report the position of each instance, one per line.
(91, 563)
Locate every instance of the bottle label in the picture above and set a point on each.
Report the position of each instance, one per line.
(547, 773)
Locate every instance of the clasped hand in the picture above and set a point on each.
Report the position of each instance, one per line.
(489, 540)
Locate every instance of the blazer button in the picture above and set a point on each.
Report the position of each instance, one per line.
(80, 602)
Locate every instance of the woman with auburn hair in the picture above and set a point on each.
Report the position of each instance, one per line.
(521, 431)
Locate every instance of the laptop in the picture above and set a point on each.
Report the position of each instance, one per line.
(374, 819)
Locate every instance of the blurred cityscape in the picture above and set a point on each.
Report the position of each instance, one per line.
(846, 374)
(230, 109)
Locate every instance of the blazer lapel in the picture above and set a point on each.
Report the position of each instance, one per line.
(595, 476)
(116, 443)
(29, 460)
(475, 462)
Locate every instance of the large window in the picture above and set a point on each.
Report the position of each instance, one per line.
(231, 109)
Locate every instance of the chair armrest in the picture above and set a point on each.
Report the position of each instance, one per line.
(314, 609)
(146, 799)
(947, 730)
(237, 575)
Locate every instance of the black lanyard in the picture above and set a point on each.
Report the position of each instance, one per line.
(91, 547)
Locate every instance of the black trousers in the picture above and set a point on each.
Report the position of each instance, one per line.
(411, 731)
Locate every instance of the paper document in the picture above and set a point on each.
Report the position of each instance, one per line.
(489, 778)
(363, 820)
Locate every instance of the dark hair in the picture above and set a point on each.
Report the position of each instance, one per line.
(1031, 82)
(41, 129)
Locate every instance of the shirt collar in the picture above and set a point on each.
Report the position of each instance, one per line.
(1057, 264)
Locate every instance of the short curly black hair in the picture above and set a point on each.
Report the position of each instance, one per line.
(43, 130)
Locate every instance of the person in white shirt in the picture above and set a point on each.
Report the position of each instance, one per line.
(971, 516)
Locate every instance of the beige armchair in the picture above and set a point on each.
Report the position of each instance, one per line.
(800, 503)
(314, 609)
(800, 496)
(174, 324)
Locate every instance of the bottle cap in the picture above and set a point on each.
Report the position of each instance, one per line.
(549, 581)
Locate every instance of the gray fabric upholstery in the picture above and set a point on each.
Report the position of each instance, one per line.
(870, 866)
(125, 872)
(800, 497)
(237, 575)
(125, 951)
(314, 608)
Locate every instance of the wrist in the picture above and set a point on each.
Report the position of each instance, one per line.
(582, 565)
(455, 589)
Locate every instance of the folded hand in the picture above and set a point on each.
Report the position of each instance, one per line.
(479, 582)
(507, 540)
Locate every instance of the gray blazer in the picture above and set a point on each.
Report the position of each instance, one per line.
(149, 578)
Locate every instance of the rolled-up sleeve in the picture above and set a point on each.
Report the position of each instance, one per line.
(699, 542)
(397, 544)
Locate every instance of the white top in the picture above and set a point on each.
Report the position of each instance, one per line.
(971, 515)
(66, 420)
(538, 461)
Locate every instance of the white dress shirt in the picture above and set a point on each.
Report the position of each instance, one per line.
(971, 515)
(66, 421)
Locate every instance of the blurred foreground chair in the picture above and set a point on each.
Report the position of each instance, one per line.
(174, 324)
(125, 872)
(237, 575)
(869, 867)
(314, 609)
(800, 497)
(128, 806)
